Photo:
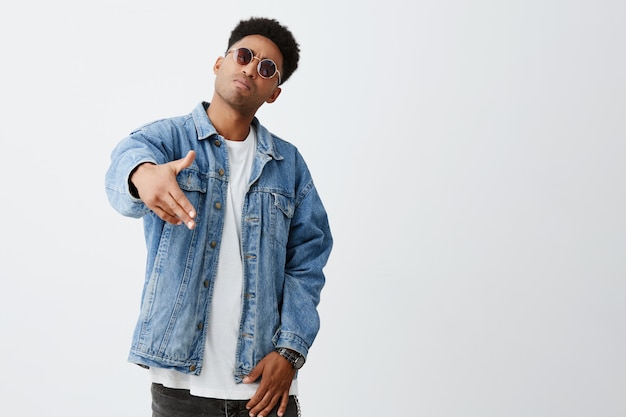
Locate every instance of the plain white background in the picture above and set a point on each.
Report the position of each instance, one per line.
(471, 156)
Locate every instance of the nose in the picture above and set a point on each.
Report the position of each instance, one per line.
(250, 69)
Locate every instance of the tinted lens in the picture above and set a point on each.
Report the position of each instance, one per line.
(243, 56)
(267, 68)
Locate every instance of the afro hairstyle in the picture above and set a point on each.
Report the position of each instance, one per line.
(277, 33)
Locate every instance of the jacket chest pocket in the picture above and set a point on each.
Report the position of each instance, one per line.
(282, 209)
(194, 185)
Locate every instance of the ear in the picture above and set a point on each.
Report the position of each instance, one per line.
(218, 64)
(274, 95)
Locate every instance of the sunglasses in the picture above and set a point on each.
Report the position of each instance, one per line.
(266, 67)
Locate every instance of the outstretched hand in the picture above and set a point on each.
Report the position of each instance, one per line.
(159, 190)
(277, 374)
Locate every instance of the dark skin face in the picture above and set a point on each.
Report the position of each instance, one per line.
(240, 91)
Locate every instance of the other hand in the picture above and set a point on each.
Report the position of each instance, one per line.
(277, 374)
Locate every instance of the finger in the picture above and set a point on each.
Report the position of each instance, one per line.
(259, 408)
(180, 206)
(259, 401)
(181, 200)
(170, 210)
(270, 404)
(282, 409)
(251, 377)
(168, 217)
(254, 401)
(255, 373)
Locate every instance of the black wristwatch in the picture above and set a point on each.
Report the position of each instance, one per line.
(295, 359)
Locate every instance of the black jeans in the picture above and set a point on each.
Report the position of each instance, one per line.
(169, 402)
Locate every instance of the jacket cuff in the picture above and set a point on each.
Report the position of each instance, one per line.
(291, 341)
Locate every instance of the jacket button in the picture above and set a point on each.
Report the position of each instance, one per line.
(192, 368)
(206, 283)
(217, 143)
(218, 205)
(213, 244)
(200, 325)
(221, 171)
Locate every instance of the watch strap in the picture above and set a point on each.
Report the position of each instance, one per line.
(295, 358)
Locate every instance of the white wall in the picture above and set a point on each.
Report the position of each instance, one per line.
(471, 156)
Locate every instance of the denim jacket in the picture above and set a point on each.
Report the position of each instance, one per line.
(286, 242)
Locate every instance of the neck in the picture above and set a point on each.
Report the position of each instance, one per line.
(231, 123)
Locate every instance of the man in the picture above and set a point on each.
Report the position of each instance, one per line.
(237, 238)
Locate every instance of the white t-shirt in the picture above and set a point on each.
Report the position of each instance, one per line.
(216, 379)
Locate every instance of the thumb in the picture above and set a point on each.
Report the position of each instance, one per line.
(185, 162)
(254, 374)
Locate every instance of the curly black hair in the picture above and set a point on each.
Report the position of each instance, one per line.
(277, 33)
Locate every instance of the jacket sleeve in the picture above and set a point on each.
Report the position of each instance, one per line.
(132, 151)
(308, 249)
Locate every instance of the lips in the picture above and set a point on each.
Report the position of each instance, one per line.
(243, 82)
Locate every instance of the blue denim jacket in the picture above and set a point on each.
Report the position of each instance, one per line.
(286, 242)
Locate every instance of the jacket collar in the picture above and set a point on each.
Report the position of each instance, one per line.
(205, 129)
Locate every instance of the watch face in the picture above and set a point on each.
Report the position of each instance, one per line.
(299, 362)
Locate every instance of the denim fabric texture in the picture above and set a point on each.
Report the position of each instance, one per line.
(286, 242)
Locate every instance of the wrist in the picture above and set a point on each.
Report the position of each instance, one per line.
(131, 185)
